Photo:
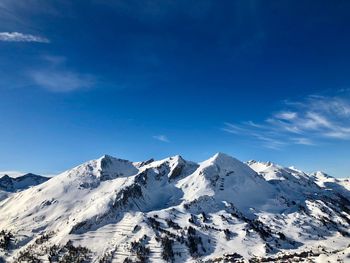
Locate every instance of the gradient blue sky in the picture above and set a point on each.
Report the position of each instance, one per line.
(265, 80)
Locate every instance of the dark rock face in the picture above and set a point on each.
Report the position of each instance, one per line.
(6, 183)
(23, 182)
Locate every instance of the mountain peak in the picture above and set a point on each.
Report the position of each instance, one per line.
(224, 160)
(176, 157)
(5, 177)
(177, 160)
(250, 162)
(29, 175)
(320, 174)
(112, 167)
(108, 205)
(107, 157)
(220, 157)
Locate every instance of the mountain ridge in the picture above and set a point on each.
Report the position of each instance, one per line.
(178, 211)
(9, 185)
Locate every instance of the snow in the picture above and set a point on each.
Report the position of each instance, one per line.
(254, 209)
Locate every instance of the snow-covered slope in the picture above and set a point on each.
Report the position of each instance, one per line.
(113, 210)
(227, 179)
(326, 181)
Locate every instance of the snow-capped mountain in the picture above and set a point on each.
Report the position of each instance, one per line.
(173, 210)
(13, 184)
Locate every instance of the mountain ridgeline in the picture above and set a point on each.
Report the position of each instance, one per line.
(174, 210)
(13, 184)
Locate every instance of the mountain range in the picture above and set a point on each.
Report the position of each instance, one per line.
(10, 184)
(174, 210)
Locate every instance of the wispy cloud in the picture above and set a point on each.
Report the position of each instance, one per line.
(12, 174)
(56, 78)
(305, 122)
(61, 81)
(162, 138)
(20, 37)
(54, 60)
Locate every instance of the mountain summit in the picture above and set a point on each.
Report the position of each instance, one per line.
(175, 210)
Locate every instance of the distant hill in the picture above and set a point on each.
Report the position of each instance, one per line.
(14, 184)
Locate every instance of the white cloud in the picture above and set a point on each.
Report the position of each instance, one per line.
(305, 122)
(12, 174)
(162, 138)
(20, 37)
(302, 141)
(286, 115)
(56, 78)
(54, 60)
(61, 80)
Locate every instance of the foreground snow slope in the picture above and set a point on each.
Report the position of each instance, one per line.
(177, 210)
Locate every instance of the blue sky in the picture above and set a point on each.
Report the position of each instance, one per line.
(265, 80)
